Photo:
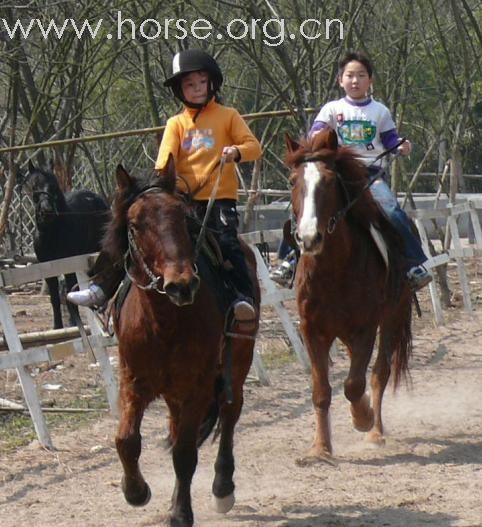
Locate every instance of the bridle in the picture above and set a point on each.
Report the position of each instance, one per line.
(333, 220)
(350, 202)
(50, 198)
(134, 253)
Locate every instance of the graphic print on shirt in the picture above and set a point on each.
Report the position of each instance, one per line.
(357, 132)
(196, 139)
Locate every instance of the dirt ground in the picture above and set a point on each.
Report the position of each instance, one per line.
(429, 473)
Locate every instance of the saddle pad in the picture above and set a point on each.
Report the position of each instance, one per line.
(380, 243)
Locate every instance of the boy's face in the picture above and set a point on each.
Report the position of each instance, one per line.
(355, 80)
(195, 87)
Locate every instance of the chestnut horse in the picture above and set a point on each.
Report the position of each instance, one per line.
(345, 288)
(171, 334)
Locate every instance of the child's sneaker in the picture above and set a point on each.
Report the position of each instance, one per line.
(90, 297)
(418, 277)
(282, 274)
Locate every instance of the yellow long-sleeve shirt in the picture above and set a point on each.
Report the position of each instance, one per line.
(197, 148)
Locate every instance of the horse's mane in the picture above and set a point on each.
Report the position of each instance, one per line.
(115, 241)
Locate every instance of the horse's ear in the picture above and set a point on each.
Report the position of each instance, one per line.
(332, 140)
(291, 144)
(168, 174)
(31, 166)
(122, 178)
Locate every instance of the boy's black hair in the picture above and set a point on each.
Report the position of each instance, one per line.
(359, 57)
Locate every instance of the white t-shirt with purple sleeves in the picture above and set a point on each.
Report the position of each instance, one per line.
(367, 126)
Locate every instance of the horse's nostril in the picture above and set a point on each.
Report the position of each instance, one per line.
(171, 289)
(182, 293)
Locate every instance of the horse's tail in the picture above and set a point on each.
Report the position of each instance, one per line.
(212, 414)
(397, 337)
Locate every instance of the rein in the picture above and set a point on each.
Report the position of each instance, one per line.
(212, 198)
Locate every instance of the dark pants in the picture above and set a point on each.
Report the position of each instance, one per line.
(223, 221)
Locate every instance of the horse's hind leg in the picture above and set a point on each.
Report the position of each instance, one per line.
(379, 381)
(223, 484)
(355, 383)
(128, 443)
(53, 286)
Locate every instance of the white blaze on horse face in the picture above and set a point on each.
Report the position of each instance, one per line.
(308, 224)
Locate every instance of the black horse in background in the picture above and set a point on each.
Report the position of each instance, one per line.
(68, 224)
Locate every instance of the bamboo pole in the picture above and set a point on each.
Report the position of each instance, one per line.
(54, 410)
(36, 338)
(139, 131)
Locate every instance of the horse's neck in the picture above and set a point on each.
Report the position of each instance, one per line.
(343, 247)
(61, 202)
(52, 228)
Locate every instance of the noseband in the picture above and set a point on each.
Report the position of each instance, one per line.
(135, 254)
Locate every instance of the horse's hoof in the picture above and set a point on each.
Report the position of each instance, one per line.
(363, 423)
(180, 521)
(375, 438)
(137, 499)
(223, 505)
(310, 460)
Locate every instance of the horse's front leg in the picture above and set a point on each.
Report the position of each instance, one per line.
(128, 443)
(360, 351)
(318, 348)
(53, 286)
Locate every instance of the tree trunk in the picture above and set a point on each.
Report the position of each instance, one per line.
(252, 197)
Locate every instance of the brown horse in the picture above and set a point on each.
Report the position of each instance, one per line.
(345, 289)
(171, 343)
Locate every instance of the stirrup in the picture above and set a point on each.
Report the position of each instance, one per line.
(418, 277)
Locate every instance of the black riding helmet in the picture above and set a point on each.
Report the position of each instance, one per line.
(194, 60)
